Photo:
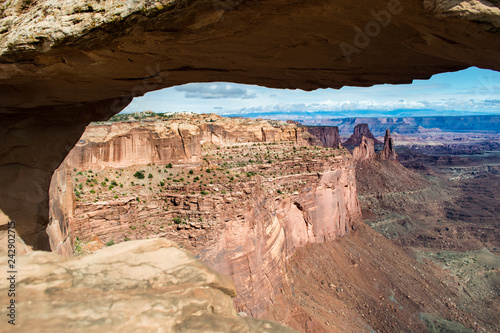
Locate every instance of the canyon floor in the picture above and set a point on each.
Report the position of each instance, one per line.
(425, 258)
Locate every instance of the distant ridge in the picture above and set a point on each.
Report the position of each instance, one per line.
(414, 125)
(359, 131)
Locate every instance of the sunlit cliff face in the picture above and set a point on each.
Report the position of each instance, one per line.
(64, 65)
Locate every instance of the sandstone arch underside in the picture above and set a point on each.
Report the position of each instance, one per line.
(66, 63)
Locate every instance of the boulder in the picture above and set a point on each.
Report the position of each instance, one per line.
(137, 286)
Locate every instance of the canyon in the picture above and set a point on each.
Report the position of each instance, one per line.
(257, 210)
(66, 64)
(232, 192)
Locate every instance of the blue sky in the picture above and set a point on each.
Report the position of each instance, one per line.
(468, 92)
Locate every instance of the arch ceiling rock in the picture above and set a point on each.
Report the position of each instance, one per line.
(64, 63)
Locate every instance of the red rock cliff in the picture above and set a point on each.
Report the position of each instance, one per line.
(250, 226)
(359, 131)
(388, 153)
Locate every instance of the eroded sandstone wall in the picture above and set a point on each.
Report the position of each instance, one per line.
(253, 249)
(120, 145)
(124, 144)
(61, 226)
(246, 232)
(74, 57)
(326, 136)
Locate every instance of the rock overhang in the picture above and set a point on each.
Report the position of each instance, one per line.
(65, 52)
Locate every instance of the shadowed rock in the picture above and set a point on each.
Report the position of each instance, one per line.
(356, 138)
(138, 286)
(326, 136)
(62, 61)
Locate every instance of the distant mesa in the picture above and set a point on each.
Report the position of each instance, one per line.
(325, 136)
(415, 125)
(359, 131)
(365, 150)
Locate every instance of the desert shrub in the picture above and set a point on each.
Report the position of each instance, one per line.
(110, 243)
(150, 176)
(177, 220)
(139, 174)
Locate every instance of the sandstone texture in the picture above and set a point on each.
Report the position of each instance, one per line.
(178, 139)
(257, 192)
(147, 286)
(64, 64)
(356, 138)
(365, 150)
(61, 211)
(388, 153)
(72, 50)
(32, 146)
(326, 136)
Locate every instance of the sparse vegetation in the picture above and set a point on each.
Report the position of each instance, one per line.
(139, 174)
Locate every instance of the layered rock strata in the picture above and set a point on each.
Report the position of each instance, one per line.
(70, 59)
(179, 139)
(388, 153)
(326, 136)
(244, 208)
(147, 286)
(356, 138)
(365, 150)
(246, 233)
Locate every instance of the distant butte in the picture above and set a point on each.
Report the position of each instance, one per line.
(356, 138)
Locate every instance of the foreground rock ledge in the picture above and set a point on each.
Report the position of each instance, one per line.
(138, 286)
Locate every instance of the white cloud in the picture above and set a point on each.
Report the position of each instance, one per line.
(215, 90)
